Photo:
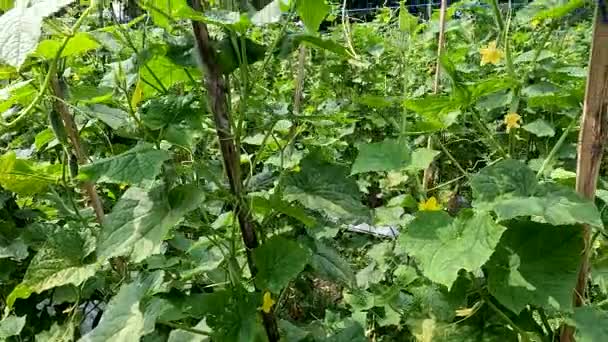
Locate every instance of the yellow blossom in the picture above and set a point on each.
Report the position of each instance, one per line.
(267, 302)
(429, 205)
(490, 54)
(512, 121)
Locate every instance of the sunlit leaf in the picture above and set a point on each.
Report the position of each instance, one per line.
(25, 24)
(540, 128)
(312, 13)
(11, 326)
(122, 319)
(26, 177)
(387, 155)
(444, 246)
(141, 219)
(59, 262)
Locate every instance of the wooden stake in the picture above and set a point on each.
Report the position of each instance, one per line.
(217, 98)
(427, 179)
(592, 139)
(79, 150)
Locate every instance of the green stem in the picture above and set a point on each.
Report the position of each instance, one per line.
(482, 127)
(524, 336)
(47, 79)
(497, 15)
(555, 148)
(451, 157)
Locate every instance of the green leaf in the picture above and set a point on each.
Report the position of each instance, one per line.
(328, 263)
(142, 218)
(444, 246)
(26, 177)
(80, 44)
(16, 250)
(169, 74)
(387, 155)
(508, 176)
(25, 24)
(560, 9)
(122, 319)
(162, 12)
(57, 333)
(591, 324)
(59, 262)
(139, 164)
(11, 326)
(113, 117)
(264, 206)
(16, 93)
(165, 110)
(279, 261)
(290, 42)
(532, 267)
(270, 14)
(510, 189)
(43, 138)
(437, 111)
(323, 186)
(540, 128)
(408, 23)
(312, 13)
(421, 158)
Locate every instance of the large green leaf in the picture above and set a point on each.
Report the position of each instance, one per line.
(26, 177)
(139, 164)
(540, 128)
(535, 264)
(122, 319)
(591, 323)
(387, 155)
(162, 12)
(328, 263)
(443, 246)
(113, 117)
(11, 326)
(59, 262)
(290, 42)
(81, 43)
(312, 13)
(141, 219)
(510, 189)
(25, 24)
(168, 73)
(323, 186)
(163, 111)
(279, 261)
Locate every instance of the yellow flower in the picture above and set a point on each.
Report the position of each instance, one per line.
(267, 302)
(512, 121)
(490, 54)
(429, 205)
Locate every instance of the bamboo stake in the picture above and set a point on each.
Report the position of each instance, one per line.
(217, 98)
(427, 179)
(592, 139)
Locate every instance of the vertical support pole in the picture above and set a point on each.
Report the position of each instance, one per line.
(591, 143)
(427, 178)
(218, 101)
